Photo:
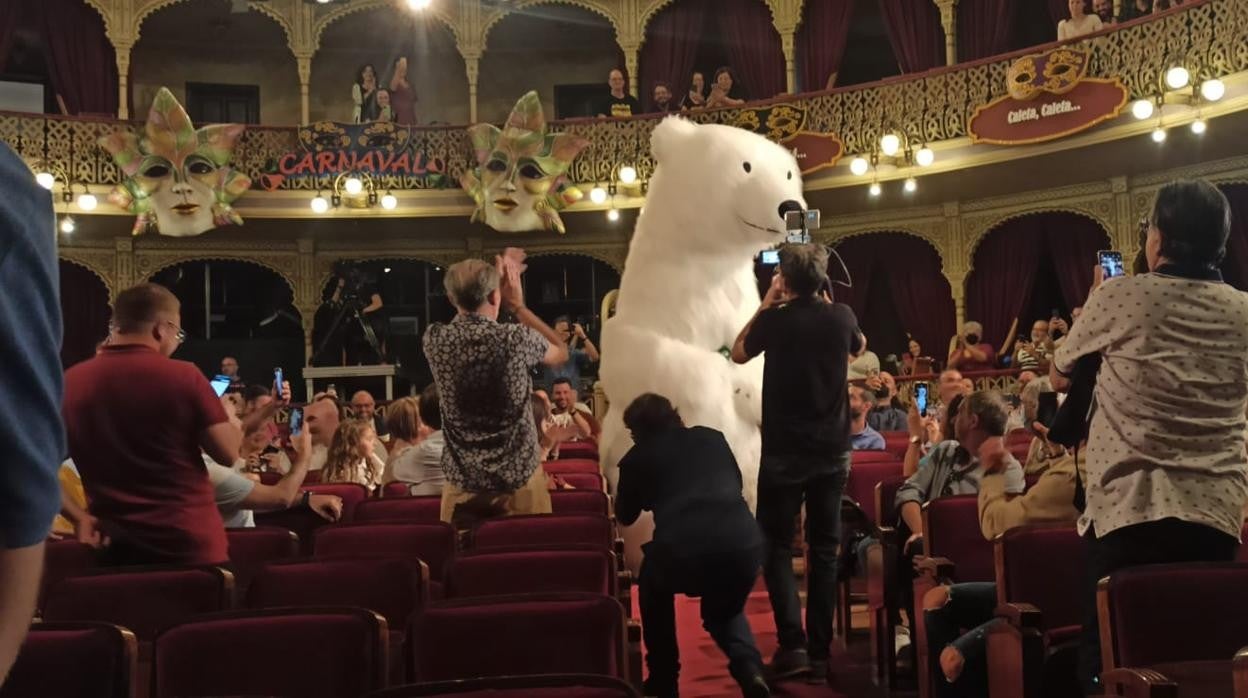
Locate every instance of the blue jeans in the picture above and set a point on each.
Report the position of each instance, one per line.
(971, 605)
(779, 503)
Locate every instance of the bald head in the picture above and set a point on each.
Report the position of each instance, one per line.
(363, 406)
(321, 418)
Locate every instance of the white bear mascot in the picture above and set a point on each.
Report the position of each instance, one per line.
(716, 199)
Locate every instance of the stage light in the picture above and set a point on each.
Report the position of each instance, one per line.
(859, 166)
(1142, 109)
(353, 185)
(388, 202)
(628, 174)
(1177, 77)
(419, 4)
(925, 157)
(911, 185)
(323, 2)
(1159, 135)
(1212, 90)
(87, 201)
(598, 195)
(46, 180)
(319, 204)
(890, 144)
(875, 189)
(613, 215)
(68, 225)
(1199, 126)
(386, 270)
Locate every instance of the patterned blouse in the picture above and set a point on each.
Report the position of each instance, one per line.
(482, 370)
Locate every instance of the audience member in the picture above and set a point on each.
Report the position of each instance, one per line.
(695, 98)
(419, 463)
(663, 98)
(722, 90)
(229, 368)
(549, 434)
(402, 96)
(948, 385)
(30, 394)
(617, 103)
(888, 414)
(967, 385)
(1134, 9)
(481, 367)
(861, 436)
(1057, 330)
(1080, 23)
(258, 409)
(1104, 10)
(569, 412)
(385, 106)
(706, 544)
(364, 94)
(1036, 352)
(1041, 454)
(910, 359)
(807, 342)
(970, 352)
(1167, 478)
(321, 419)
(136, 421)
(352, 458)
(864, 366)
(926, 433)
(580, 358)
(364, 409)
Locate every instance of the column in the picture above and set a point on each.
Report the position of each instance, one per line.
(123, 80)
(953, 262)
(472, 62)
(1125, 235)
(630, 66)
(123, 266)
(788, 42)
(303, 63)
(949, 21)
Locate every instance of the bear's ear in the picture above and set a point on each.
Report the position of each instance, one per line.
(669, 134)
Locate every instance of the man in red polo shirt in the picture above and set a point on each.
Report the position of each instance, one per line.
(136, 422)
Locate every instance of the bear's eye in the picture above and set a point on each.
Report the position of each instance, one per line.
(746, 167)
(790, 174)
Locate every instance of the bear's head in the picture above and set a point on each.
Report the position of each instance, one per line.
(735, 184)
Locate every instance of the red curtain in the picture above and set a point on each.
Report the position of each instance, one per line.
(1060, 9)
(1073, 241)
(984, 28)
(671, 48)
(84, 311)
(10, 17)
(915, 33)
(753, 46)
(81, 61)
(821, 40)
(1235, 264)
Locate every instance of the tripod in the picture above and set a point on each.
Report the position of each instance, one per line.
(349, 308)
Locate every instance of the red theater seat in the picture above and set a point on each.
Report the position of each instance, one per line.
(423, 509)
(584, 481)
(580, 502)
(545, 529)
(867, 472)
(64, 558)
(391, 587)
(252, 547)
(578, 449)
(432, 544)
(74, 660)
(524, 571)
(396, 489)
(881, 561)
(304, 522)
(543, 686)
(572, 465)
(305, 652)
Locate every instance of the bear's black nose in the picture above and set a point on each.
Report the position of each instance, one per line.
(788, 206)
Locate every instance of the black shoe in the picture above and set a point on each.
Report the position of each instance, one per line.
(789, 663)
(754, 686)
(819, 672)
(655, 689)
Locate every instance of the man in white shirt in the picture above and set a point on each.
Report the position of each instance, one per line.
(1167, 475)
(569, 412)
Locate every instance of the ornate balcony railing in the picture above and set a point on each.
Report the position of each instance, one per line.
(1207, 37)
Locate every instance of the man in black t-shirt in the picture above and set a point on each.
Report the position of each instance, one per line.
(618, 103)
(806, 449)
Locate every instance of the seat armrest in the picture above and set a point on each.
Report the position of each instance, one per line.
(1138, 683)
(1021, 616)
(937, 568)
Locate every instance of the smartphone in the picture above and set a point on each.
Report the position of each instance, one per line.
(220, 384)
(770, 257)
(1111, 263)
(920, 397)
(277, 383)
(1046, 408)
(296, 421)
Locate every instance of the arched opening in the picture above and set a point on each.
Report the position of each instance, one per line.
(377, 37)
(1030, 268)
(59, 53)
(1235, 264)
(193, 48)
(842, 42)
(561, 51)
(239, 309)
(84, 312)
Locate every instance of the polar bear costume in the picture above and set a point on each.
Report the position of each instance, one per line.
(714, 202)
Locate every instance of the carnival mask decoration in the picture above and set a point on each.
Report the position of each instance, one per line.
(519, 183)
(1056, 72)
(178, 180)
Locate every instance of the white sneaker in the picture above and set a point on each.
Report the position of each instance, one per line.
(901, 638)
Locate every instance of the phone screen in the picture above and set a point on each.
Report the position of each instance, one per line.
(1111, 263)
(770, 257)
(277, 383)
(296, 421)
(220, 384)
(1046, 408)
(920, 398)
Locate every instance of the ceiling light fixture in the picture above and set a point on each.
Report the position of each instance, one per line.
(1213, 90)
(67, 225)
(1142, 109)
(598, 195)
(859, 166)
(388, 202)
(87, 201)
(890, 143)
(47, 180)
(613, 215)
(1177, 77)
(1159, 135)
(1199, 126)
(628, 174)
(875, 189)
(924, 157)
(911, 185)
(319, 204)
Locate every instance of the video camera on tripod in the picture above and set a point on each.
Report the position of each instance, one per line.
(355, 282)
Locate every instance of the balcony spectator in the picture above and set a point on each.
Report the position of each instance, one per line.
(1036, 352)
(1104, 9)
(861, 436)
(970, 352)
(1080, 22)
(888, 414)
(1134, 9)
(419, 427)
(352, 458)
(663, 98)
(724, 92)
(581, 355)
(911, 359)
(617, 103)
(402, 96)
(695, 98)
(384, 109)
(364, 95)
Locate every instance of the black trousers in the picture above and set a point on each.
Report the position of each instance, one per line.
(1150, 543)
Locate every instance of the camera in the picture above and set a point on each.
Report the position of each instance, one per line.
(798, 224)
(354, 280)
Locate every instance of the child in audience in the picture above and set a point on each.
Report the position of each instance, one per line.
(385, 112)
(351, 457)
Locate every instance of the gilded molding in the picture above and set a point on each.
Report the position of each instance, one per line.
(337, 12)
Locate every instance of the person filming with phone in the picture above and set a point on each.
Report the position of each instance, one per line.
(1167, 475)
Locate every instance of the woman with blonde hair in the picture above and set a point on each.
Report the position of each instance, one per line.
(416, 457)
(351, 457)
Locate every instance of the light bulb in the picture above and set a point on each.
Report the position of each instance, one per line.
(925, 157)
(613, 215)
(353, 185)
(386, 270)
(598, 195)
(319, 204)
(890, 144)
(322, 2)
(1199, 126)
(1212, 90)
(67, 225)
(1177, 77)
(1142, 109)
(911, 185)
(875, 189)
(859, 166)
(419, 4)
(1159, 135)
(628, 174)
(388, 202)
(87, 202)
(46, 180)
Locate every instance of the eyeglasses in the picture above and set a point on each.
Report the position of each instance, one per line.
(181, 333)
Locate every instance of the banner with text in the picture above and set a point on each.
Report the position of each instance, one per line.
(785, 124)
(379, 148)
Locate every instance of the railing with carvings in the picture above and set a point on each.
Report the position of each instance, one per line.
(1208, 37)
